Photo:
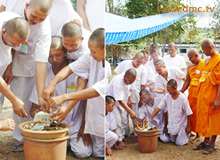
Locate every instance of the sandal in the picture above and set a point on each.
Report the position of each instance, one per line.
(16, 148)
(209, 149)
(200, 146)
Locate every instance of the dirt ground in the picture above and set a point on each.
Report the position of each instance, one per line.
(164, 151)
(7, 141)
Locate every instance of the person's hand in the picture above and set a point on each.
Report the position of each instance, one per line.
(60, 114)
(216, 104)
(133, 115)
(55, 101)
(7, 124)
(109, 151)
(77, 22)
(86, 137)
(19, 108)
(8, 75)
(187, 129)
(43, 104)
(152, 89)
(137, 123)
(34, 110)
(48, 91)
(165, 131)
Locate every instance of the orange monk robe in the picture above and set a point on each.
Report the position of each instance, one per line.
(195, 73)
(208, 119)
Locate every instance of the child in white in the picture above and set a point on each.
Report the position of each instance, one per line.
(177, 120)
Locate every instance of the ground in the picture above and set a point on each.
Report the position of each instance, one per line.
(7, 141)
(164, 151)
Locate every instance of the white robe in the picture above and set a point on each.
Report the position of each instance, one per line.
(177, 61)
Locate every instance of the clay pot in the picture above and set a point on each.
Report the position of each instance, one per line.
(37, 149)
(147, 140)
(44, 145)
(43, 134)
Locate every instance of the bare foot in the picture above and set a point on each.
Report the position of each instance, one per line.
(196, 139)
(7, 124)
(4, 150)
(126, 140)
(192, 134)
(121, 144)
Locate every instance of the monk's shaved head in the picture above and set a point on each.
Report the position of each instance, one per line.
(109, 99)
(207, 42)
(139, 54)
(144, 91)
(56, 42)
(98, 36)
(71, 29)
(172, 83)
(192, 52)
(17, 25)
(131, 72)
(160, 63)
(154, 51)
(43, 5)
(153, 46)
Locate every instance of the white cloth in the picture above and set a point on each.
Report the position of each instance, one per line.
(121, 120)
(140, 78)
(83, 49)
(5, 50)
(95, 13)
(61, 12)
(177, 61)
(108, 73)
(111, 138)
(178, 110)
(38, 42)
(95, 106)
(119, 90)
(173, 73)
(145, 111)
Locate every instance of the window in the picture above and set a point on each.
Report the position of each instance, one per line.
(182, 50)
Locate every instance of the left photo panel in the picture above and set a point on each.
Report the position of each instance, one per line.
(53, 79)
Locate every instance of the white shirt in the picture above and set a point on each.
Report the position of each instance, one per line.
(95, 106)
(119, 90)
(61, 88)
(108, 73)
(5, 49)
(178, 61)
(141, 77)
(146, 111)
(95, 13)
(61, 12)
(38, 42)
(110, 122)
(173, 73)
(178, 110)
(83, 49)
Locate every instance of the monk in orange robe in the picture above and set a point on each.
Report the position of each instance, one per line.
(208, 100)
(194, 72)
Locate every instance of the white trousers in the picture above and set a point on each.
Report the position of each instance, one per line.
(110, 138)
(22, 88)
(121, 120)
(98, 146)
(135, 108)
(180, 139)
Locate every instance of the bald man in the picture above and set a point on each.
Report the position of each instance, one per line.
(14, 31)
(29, 63)
(75, 40)
(142, 78)
(208, 111)
(194, 72)
(119, 88)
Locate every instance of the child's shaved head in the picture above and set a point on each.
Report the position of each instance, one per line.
(109, 99)
(71, 29)
(172, 83)
(99, 37)
(144, 91)
(43, 5)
